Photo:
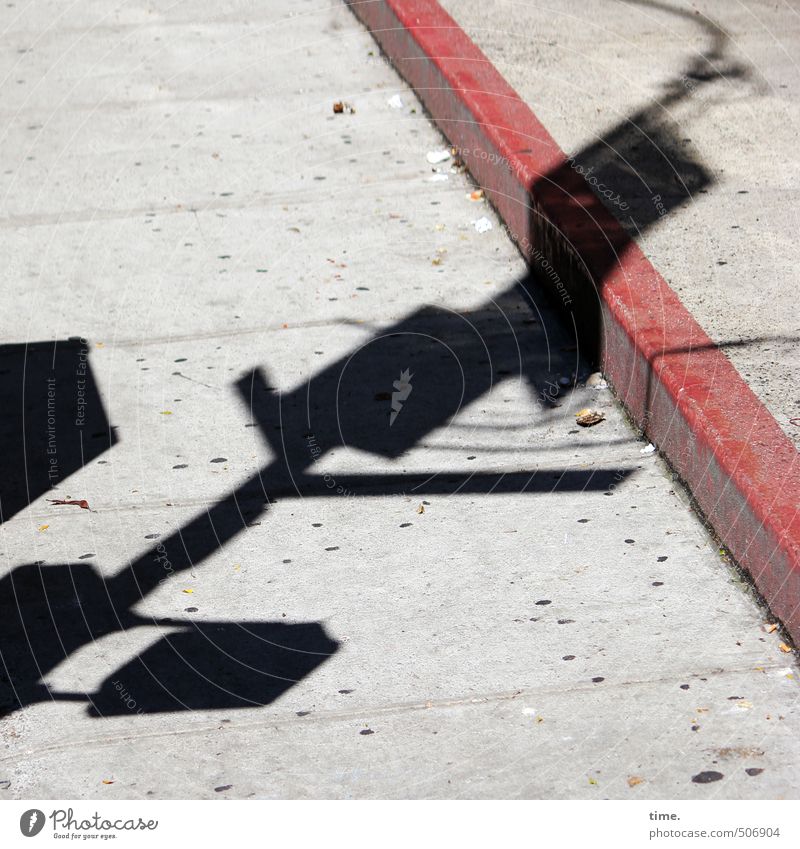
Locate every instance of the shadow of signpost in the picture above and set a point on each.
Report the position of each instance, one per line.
(450, 359)
(48, 612)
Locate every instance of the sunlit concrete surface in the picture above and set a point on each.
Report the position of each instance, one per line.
(280, 590)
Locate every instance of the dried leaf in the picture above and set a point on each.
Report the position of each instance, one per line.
(633, 780)
(588, 417)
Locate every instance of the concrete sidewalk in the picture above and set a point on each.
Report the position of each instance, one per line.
(688, 116)
(303, 595)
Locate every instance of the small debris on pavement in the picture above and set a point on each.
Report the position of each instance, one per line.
(784, 648)
(436, 157)
(588, 417)
(222, 788)
(395, 102)
(771, 627)
(633, 780)
(648, 449)
(43, 527)
(341, 106)
(707, 777)
(108, 781)
(421, 508)
(476, 195)
(482, 225)
(596, 381)
(83, 504)
(188, 591)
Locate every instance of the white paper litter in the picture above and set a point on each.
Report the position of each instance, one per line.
(648, 449)
(437, 156)
(482, 225)
(395, 101)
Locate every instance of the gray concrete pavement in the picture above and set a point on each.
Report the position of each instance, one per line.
(556, 622)
(697, 104)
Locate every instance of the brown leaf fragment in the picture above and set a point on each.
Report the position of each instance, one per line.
(588, 417)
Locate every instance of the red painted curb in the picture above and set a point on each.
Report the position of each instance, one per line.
(674, 381)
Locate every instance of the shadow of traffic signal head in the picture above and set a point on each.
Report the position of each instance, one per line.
(215, 665)
(53, 420)
(406, 381)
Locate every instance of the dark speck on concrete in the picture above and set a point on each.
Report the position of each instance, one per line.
(543, 601)
(222, 788)
(190, 610)
(707, 777)
(286, 561)
(152, 536)
(332, 548)
(471, 457)
(303, 712)
(695, 728)
(598, 679)
(365, 731)
(568, 657)
(181, 466)
(346, 692)
(583, 521)
(754, 770)
(630, 541)
(662, 558)
(658, 583)
(684, 686)
(406, 525)
(219, 460)
(179, 360)
(316, 524)
(85, 556)
(565, 621)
